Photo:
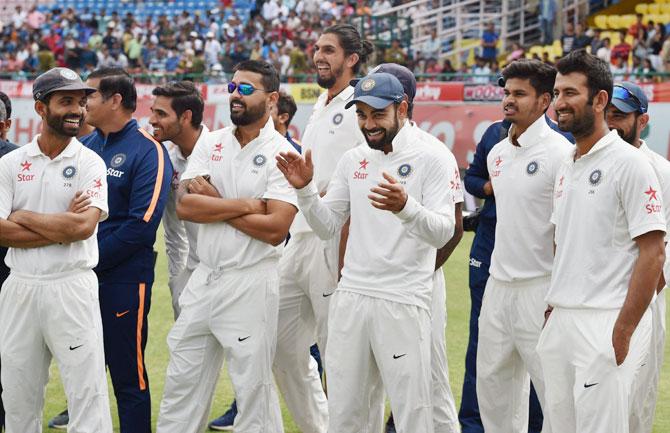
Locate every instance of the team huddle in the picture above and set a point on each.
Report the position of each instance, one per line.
(373, 204)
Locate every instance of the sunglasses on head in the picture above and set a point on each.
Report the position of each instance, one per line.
(625, 95)
(243, 89)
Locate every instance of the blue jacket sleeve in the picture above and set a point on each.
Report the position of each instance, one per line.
(477, 173)
(147, 200)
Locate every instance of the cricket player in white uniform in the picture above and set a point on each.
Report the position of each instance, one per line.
(176, 118)
(229, 306)
(53, 193)
(310, 266)
(445, 417)
(522, 168)
(608, 213)
(628, 115)
(379, 327)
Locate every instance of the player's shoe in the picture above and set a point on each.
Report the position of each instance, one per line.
(225, 421)
(390, 425)
(59, 422)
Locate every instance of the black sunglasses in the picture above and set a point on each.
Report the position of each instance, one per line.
(243, 89)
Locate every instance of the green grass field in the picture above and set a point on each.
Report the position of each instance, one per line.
(458, 306)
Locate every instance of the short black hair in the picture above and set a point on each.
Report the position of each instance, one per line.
(7, 103)
(183, 96)
(597, 72)
(540, 75)
(351, 42)
(117, 80)
(286, 105)
(270, 75)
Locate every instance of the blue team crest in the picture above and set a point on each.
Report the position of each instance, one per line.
(532, 168)
(404, 170)
(595, 177)
(118, 160)
(69, 172)
(337, 119)
(260, 160)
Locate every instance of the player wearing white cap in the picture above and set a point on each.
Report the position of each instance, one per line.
(380, 311)
(176, 118)
(627, 114)
(610, 226)
(229, 305)
(53, 193)
(522, 168)
(309, 267)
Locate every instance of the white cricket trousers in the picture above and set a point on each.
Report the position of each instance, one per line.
(55, 317)
(510, 324)
(376, 344)
(176, 285)
(645, 393)
(228, 314)
(445, 417)
(585, 389)
(307, 279)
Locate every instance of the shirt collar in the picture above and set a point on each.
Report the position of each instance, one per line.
(608, 139)
(401, 140)
(532, 134)
(33, 149)
(132, 124)
(265, 133)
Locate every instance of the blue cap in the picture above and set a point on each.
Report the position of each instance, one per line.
(378, 90)
(404, 75)
(629, 97)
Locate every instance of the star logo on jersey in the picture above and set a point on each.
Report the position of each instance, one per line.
(651, 192)
(69, 172)
(260, 160)
(455, 183)
(175, 180)
(595, 177)
(498, 161)
(25, 166)
(97, 183)
(404, 170)
(560, 181)
(118, 160)
(218, 147)
(364, 164)
(532, 168)
(337, 119)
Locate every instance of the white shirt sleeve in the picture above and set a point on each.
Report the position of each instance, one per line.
(278, 187)
(6, 188)
(326, 216)
(176, 241)
(640, 196)
(198, 162)
(93, 181)
(431, 220)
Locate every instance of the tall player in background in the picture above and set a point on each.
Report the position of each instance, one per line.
(627, 114)
(309, 267)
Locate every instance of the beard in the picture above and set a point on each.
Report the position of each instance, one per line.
(328, 82)
(58, 125)
(386, 137)
(580, 126)
(249, 115)
(631, 137)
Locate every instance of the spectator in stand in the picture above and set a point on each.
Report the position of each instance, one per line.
(448, 68)
(395, 54)
(481, 71)
(622, 49)
(546, 59)
(19, 17)
(620, 69)
(644, 71)
(35, 18)
(46, 59)
(547, 16)
(640, 48)
(489, 43)
(432, 46)
(638, 25)
(516, 53)
(596, 42)
(605, 52)
(582, 40)
(568, 38)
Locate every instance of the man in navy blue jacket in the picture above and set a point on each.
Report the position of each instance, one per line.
(138, 177)
(477, 183)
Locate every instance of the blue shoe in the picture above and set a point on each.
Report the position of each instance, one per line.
(59, 422)
(390, 425)
(225, 421)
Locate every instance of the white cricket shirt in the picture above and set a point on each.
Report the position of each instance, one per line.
(239, 172)
(30, 180)
(181, 237)
(523, 184)
(389, 256)
(331, 131)
(602, 202)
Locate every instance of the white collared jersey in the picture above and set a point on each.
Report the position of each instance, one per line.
(181, 237)
(389, 256)
(523, 183)
(239, 172)
(455, 186)
(30, 180)
(602, 202)
(331, 131)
